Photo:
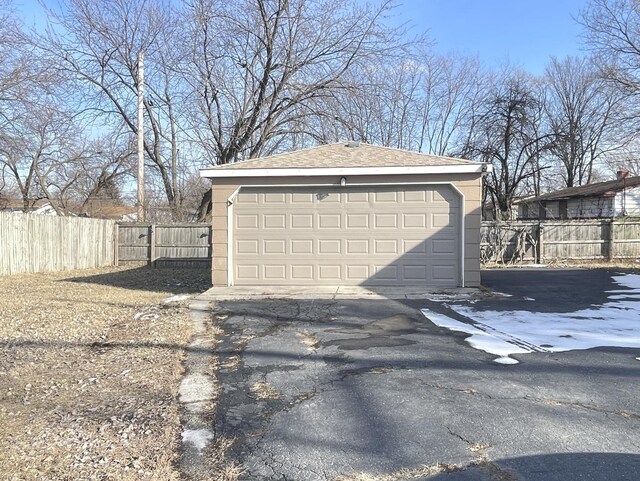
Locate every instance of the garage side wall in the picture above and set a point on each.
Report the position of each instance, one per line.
(470, 185)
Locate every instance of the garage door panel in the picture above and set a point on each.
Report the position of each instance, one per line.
(442, 247)
(302, 272)
(384, 197)
(414, 196)
(346, 235)
(302, 198)
(410, 221)
(357, 272)
(439, 220)
(385, 246)
(416, 272)
(301, 246)
(357, 197)
(357, 221)
(443, 273)
(274, 198)
(301, 221)
(247, 221)
(247, 246)
(329, 246)
(247, 272)
(271, 246)
(385, 221)
(274, 221)
(357, 246)
(330, 272)
(385, 272)
(329, 221)
(247, 197)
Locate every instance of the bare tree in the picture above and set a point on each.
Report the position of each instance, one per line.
(258, 66)
(97, 43)
(612, 32)
(508, 135)
(582, 112)
(421, 102)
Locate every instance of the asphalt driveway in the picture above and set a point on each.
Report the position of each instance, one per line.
(370, 389)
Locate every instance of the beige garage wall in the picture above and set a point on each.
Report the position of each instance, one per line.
(470, 185)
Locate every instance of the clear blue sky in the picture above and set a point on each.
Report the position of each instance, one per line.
(525, 32)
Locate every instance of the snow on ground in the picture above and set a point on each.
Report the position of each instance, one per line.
(199, 438)
(503, 333)
(176, 298)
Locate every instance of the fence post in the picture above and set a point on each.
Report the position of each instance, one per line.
(611, 240)
(540, 243)
(152, 245)
(116, 244)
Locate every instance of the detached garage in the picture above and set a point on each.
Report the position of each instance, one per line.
(347, 214)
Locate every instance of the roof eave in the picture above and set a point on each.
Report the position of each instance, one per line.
(476, 168)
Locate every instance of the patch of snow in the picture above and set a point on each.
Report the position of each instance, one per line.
(145, 316)
(501, 294)
(528, 298)
(199, 438)
(480, 337)
(504, 333)
(506, 360)
(176, 298)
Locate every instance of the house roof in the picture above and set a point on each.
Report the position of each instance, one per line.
(341, 157)
(599, 189)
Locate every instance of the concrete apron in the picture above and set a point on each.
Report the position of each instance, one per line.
(335, 292)
(197, 393)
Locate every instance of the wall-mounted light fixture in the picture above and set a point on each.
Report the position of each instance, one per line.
(343, 181)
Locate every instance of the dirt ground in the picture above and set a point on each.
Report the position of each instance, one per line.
(90, 363)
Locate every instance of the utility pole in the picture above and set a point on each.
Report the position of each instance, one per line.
(141, 216)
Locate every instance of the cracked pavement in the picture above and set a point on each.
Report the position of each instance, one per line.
(371, 386)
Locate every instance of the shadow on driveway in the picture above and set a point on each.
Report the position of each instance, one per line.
(372, 386)
(552, 290)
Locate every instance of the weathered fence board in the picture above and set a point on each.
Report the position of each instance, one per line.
(164, 244)
(39, 243)
(545, 241)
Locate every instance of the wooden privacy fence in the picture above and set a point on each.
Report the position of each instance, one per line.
(548, 241)
(187, 245)
(39, 243)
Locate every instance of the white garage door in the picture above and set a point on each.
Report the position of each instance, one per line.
(382, 235)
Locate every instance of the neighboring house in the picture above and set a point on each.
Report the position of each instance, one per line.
(609, 199)
(347, 214)
(40, 207)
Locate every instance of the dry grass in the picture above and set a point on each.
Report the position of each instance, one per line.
(89, 367)
(308, 340)
(263, 390)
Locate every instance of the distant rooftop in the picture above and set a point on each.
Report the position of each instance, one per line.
(598, 189)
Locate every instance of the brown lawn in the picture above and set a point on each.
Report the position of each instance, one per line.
(90, 363)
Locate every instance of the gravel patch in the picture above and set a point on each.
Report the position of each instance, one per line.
(90, 363)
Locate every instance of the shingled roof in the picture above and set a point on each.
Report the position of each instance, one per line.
(344, 159)
(599, 189)
(343, 154)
